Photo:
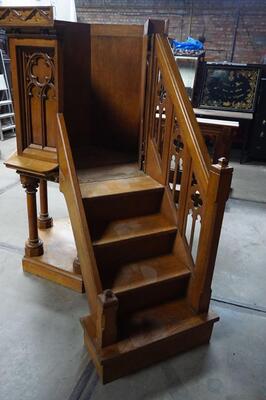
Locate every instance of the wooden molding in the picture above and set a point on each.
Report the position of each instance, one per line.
(26, 16)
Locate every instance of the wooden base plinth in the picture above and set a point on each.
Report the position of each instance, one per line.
(34, 249)
(56, 263)
(127, 356)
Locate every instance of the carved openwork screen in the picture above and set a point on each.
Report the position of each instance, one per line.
(175, 169)
(170, 137)
(35, 93)
(194, 215)
(184, 188)
(162, 116)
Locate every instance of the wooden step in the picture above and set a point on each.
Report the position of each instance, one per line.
(131, 276)
(121, 198)
(118, 186)
(146, 282)
(131, 228)
(149, 336)
(135, 249)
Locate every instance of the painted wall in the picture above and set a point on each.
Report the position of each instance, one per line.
(222, 22)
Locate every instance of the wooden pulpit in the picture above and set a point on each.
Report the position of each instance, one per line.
(102, 110)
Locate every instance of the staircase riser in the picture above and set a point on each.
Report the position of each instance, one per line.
(152, 295)
(108, 208)
(133, 250)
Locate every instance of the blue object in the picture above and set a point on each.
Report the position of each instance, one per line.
(189, 44)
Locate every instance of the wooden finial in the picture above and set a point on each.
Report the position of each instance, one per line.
(108, 294)
(223, 162)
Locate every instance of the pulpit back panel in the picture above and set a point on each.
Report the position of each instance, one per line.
(75, 81)
(34, 77)
(116, 64)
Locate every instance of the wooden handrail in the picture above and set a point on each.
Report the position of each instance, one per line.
(70, 187)
(184, 111)
(204, 188)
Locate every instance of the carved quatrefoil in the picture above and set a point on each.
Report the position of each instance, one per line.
(196, 199)
(179, 145)
(162, 94)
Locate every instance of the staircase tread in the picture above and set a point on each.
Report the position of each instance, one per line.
(145, 272)
(118, 186)
(125, 229)
(150, 325)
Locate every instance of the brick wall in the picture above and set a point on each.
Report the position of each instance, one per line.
(220, 21)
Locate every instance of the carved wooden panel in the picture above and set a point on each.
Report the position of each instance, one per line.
(26, 16)
(38, 97)
(176, 161)
(194, 215)
(162, 111)
(185, 189)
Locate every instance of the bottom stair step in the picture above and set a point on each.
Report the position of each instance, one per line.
(149, 336)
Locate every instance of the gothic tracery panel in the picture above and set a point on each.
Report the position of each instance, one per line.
(161, 114)
(39, 92)
(176, 164)
(194, 216)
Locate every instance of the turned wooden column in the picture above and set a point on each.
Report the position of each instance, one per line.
(44, 220)
(34, 245)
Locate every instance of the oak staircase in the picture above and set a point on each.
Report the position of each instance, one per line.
(117, 131)
(147, 242)
(142, 273)
(148, 283)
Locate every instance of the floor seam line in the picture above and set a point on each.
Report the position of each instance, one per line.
(8, 187)
(247, 200)
(82, 382)
(12, 248)
(240, 305)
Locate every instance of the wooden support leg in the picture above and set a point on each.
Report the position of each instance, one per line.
(44, 220)
(33, 246)
(107, 318)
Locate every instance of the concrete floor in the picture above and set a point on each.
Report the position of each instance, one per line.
(42, 355)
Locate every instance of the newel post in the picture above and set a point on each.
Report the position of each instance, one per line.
(107, 318)
(199, 291)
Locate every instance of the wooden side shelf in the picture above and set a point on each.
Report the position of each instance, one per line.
(56, 263)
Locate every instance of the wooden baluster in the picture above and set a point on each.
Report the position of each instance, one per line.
(184, 191)
(199, 291)
(34, 245)
(44, 220)
(107, 318)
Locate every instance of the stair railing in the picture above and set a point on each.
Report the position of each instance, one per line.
(199, 190)
(103, 304)
(69, 186)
